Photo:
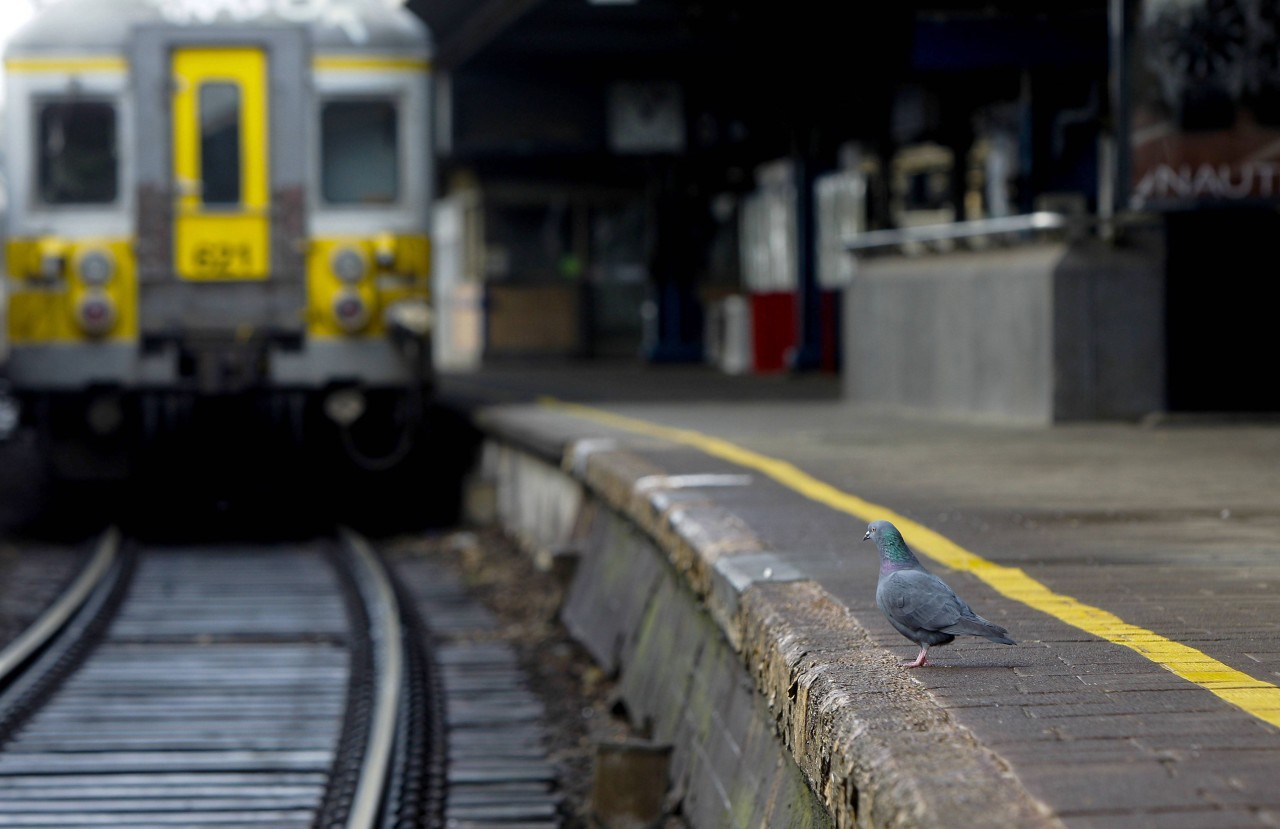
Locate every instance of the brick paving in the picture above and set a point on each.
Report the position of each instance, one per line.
(1172, 525)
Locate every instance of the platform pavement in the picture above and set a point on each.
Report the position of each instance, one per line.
(1172, 525)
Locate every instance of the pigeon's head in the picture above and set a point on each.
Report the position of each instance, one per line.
(888, 541)
(880, 530)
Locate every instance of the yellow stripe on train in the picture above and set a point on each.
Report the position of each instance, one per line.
(75, 64)
(49, 294)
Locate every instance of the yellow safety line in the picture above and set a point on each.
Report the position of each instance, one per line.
(1255, 696)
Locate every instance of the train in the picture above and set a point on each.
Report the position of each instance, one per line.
(218, 220)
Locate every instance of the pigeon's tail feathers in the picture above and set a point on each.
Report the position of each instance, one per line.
(977, 626)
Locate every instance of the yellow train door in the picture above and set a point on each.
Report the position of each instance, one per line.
(221, 163)
(220, 183)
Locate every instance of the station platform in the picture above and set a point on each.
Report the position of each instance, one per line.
(1136, 564)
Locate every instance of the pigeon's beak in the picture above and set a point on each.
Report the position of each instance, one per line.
(867, 537)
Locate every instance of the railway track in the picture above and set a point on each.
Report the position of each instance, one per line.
(220, 686)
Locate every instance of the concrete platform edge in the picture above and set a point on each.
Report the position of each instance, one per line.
(873, 748)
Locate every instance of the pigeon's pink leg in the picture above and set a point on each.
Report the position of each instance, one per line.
(921, 660)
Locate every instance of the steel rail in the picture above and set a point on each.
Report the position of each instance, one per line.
(172, 671)
(387, 638)
(56, 615)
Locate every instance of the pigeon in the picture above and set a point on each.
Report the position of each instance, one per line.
(919, 604)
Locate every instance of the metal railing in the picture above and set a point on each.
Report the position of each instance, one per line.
(1040, 220)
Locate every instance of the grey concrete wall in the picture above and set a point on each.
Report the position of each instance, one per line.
(1035, 334)
(684, 685)
(681, 680)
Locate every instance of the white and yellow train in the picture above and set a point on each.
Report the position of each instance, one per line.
(213, 201)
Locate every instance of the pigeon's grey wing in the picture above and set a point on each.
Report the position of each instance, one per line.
(918, 600)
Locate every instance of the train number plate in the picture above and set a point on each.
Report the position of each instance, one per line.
(222, 247)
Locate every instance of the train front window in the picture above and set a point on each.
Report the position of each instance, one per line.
(220, 143)
(78, 160)
(359, 152)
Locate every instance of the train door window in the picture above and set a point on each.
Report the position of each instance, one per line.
(359, 152)
(78, 161)
(220, 143)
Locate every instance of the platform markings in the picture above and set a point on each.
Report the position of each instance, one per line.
(1257, 697)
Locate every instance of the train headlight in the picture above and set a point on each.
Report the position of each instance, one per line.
(384, 251)
(47, 260)
(348, 265)
(351, 312)
(52, 266)
(96, 268)
(95, 313)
